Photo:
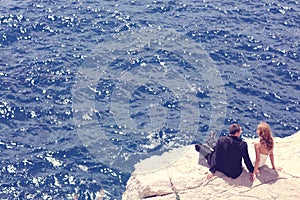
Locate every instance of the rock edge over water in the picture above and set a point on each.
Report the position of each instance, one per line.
(180, 174)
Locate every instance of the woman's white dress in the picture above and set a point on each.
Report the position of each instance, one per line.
(263, 159)
(252, 154)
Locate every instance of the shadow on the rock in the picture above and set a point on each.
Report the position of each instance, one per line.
(267, 175)
(243, 180)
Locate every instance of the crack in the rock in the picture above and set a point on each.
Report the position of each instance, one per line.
(174, 190)
(293, 176)
(261, 184)
(152, 196)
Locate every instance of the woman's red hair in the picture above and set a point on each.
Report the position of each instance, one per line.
(265, 135)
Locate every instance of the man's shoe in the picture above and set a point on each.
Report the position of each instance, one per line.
(203, 149)
(198, 147)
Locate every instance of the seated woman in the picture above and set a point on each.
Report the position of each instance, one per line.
(263, 148)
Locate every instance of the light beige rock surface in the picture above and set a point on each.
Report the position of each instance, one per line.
(180, 174)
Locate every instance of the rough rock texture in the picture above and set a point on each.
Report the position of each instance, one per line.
(180, 174)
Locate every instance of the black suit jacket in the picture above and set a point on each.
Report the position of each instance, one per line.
(227, 156)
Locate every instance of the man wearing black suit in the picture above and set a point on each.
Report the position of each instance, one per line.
(227, 155)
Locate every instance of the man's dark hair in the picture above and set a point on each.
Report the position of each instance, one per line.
(234, 128)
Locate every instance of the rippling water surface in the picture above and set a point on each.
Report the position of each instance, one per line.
(89, 88)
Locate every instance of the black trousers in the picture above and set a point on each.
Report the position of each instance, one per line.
(206, 151)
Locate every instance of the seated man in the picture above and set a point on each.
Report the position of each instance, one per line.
(227, 155)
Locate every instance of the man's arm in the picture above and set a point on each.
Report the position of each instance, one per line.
(246, 157)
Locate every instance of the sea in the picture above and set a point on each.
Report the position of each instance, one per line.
(89, 88)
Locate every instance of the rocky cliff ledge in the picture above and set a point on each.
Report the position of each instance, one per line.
(180, 174)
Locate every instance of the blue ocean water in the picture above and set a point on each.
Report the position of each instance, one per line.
(89, 88)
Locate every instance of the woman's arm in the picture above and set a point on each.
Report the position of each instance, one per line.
(257, 160)
(272, 161)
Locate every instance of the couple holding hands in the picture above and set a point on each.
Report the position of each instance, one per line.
(226, 156)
